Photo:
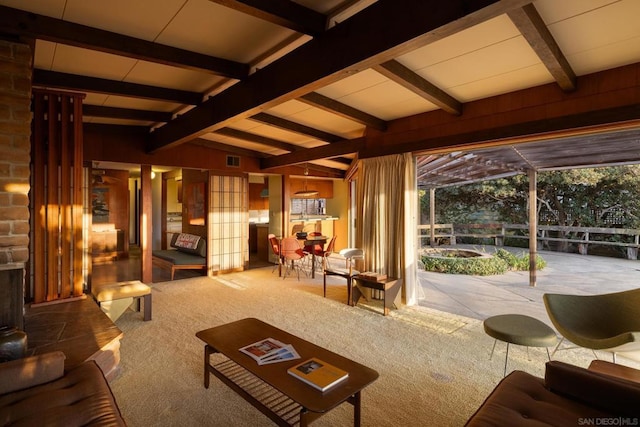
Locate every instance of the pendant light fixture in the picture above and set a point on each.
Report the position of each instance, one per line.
(305, 192)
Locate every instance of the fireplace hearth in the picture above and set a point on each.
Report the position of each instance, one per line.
(12, 295)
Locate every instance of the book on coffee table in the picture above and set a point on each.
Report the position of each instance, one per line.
(372, 275)
(318, 373)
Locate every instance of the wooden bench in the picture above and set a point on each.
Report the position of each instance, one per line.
(583, 237)
(180, 258)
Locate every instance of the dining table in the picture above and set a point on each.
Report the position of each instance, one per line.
(312, 241)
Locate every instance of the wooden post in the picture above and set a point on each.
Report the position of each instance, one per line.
(533, 225)
(432, 216)
(146, 230)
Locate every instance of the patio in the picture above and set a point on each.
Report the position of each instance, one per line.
(479, 297)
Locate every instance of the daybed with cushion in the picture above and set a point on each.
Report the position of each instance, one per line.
(35, 391)
(189, 253)
(567, 396)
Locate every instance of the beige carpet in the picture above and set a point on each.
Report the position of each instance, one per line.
(434, 367)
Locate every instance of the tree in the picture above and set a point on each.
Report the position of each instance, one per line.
(594, 197)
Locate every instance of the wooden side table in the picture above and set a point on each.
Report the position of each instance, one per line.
(390, 288)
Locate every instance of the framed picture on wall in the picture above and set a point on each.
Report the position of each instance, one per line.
(100, 205)
(195, 203)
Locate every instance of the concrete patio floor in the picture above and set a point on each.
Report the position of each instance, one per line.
(480, 297)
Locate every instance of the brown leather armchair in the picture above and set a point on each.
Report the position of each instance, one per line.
(566, 395)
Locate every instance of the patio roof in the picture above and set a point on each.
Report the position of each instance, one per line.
(606, 148)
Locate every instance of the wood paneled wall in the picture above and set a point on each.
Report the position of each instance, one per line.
(57, 176)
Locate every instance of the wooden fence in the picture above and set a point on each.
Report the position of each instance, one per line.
(582, 237)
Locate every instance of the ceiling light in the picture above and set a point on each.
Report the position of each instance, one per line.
(305, 192)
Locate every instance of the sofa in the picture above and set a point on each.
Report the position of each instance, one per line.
(567, 396)
(36, 391)
(189, 252)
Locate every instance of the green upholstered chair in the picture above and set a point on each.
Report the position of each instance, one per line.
(609, 322)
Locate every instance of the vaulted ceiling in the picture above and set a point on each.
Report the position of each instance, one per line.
(280, 78)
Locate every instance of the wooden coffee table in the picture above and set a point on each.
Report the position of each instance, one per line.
(284, 399)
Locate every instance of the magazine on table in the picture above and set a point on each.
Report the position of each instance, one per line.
(318, 373)
(282, 355)
(270, 350)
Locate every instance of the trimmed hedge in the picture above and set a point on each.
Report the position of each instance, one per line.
(500, 263)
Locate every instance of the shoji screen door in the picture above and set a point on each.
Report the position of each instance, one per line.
(228, 223)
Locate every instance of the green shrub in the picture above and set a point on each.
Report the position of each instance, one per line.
(472, 266)
(500, 263)
(521, 262)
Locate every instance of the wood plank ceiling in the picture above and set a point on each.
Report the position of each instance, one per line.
(281, 78)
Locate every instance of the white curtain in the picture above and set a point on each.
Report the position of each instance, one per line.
(387, 218)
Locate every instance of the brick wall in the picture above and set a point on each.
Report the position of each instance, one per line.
(15, 146)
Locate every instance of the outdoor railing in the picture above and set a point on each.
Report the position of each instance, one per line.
(582, 237)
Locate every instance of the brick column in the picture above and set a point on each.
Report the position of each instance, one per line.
(15, 148)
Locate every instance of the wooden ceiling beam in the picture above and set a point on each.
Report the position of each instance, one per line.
(326, 170)
(230, 148)
(271, 142)
(26, 24)
(498, 121)
(93, 84)
(106, 128)
(328, 151)
(343, 110)
(343, 160)
(377, 34)
(258, 139)
(284, 13)
(406, 78)
(535, 31)
(298, 128)
(125, 113)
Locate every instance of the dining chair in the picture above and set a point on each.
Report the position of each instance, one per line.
(328, 249)
(292, 255)
(275, 249)
(341, 264)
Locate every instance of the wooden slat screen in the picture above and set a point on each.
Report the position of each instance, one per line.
(56, 197)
